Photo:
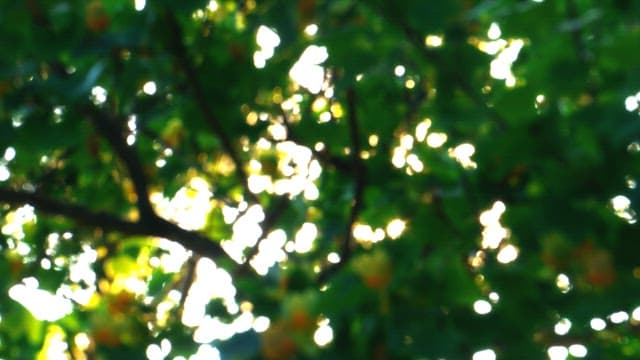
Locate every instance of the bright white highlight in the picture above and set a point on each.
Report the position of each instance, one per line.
(42, 304)
(149, 88)
(494, 32)
(557, 352)
(578, 350)
(307, 71)
(598, 324)
(486, 354)
(619, 317)
(324, 334)
(508, 254)
(482, 307)
(267, 39)
(140, 4)
(562, 327)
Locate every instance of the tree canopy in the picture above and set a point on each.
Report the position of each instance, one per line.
(319, 179)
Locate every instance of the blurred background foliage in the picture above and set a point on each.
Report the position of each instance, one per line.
(319, 179)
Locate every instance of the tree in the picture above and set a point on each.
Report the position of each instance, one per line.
(319, 179)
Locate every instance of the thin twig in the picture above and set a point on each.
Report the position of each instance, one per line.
(179, 51)
(188, 279)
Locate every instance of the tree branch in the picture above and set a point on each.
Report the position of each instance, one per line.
(112, 132)
(178, 49)
(359, 173)
(154, 226)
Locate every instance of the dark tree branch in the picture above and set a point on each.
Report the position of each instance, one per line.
(359, 173)
(113, 133)
(187, 282)
(178, 49)
(154, 226)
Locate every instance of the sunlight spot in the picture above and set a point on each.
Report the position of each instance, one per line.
(366, 235)
(399, 157)
(622, 208)
(436, 139)
(267, 39)
(557, 352)
(462, 153)
(415, 163)
(421, 130)
(631, 103)
(98, 95)
(55, 345)
(334, 258)
(508, 254)
(206, 352)
(311, 29)
(493, 232)
(598, 324)
(319, 104)
(212, 6)
(486, 354)
(494, 297)
(15, 220)
(270, 251)
(476, 260)
(261, 324)
(307, 71)
(82, 341)
(5, 174)
(482, 307)
(434, 41)
(631, 182)
(149, 88)
(636, 314)
(619, 317)
(323, 335)
(140, 4)
(9, 154)
(406, 141)
(243, 323)
(336, 110)
(325, 117)
(562, 327)
(563, 283)
(305, 237)
(410, 84)
(494, 32)
(42, 304)
(578, 350)
(399, 70)
(395, 228)
(159, 352)
(278, 132)
(160, 163)
(373, 140)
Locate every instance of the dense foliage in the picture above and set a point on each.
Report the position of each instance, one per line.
(319, 179)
